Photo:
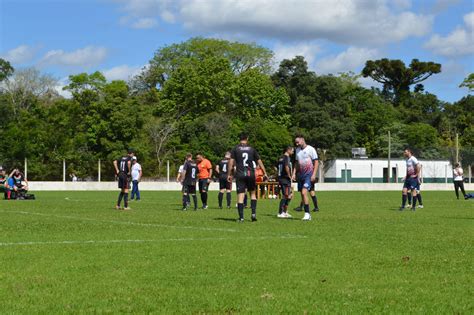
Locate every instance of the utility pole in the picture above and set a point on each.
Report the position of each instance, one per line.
(457, 147)
(389, 170)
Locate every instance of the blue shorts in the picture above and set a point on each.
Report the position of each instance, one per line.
(411, 183)
(305, 182)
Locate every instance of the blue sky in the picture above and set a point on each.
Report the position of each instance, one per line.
(118, 37)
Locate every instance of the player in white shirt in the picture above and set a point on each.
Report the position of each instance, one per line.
(458, 180)
(306, 168)
(136, 177)
(412, 182)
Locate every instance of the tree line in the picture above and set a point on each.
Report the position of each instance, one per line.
(198, 95)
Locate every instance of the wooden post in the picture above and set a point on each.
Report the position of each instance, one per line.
(64, 170)
(26, 168)
(98, 171)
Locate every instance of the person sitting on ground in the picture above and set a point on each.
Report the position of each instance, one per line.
(18, 184)
(4, 183)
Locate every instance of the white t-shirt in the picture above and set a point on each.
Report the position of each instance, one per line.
(136, 168)
(412, 162)
(457, 172)
(306, 158)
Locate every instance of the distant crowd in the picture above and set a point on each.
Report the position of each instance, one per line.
(14, 185)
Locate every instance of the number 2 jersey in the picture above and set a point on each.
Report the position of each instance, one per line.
(245, 158)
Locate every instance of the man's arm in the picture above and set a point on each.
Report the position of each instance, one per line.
(262, 167)
(140, 173)
(129, 163)
(230, 168)
(210, 171)
(116, 167)
(315, 170)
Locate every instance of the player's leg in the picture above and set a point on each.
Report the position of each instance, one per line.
(121, 185)
(220, 196)
(281, 207)
(409, 201)
(414, 198)
(456, 188)
(125, 194)
(404, 196)
(185, 197)
(229, 194)
(241, 194)
(252, 188)
(461, 186)
(314, 198)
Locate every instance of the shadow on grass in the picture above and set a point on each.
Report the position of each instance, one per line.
(225, 219)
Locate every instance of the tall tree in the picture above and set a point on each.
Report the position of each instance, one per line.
(397, 78)
(6, 69)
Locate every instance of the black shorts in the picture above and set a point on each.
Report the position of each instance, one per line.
(189, 189)
(203, 185)
(224, 183)
(285, 187)
(245, 183)
(123, 181)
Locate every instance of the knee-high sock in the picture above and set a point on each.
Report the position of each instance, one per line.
(245, 200)
(420, 201)
(281, 209)
(413, 205)
(404, 200)
(315, 201)
(409, 198)
(204, 198)
(228, 197)
(240, 209)
(185, 201)
(125, 200)
(119, 201)
(220, 197)
(195, 201)
(253, 205)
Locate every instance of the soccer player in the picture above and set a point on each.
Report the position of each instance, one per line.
(222, 169)
(189, 175)
(411, 179)
(306, 167)
(458, 180)
(205, 174)
(136, 177)
(244, 157)
(285, 172)
(123, 167)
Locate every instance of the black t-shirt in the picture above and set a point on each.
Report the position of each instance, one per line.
(123, 164)
(191, 169)
(246, 159)
(282, 163)
(223, 168)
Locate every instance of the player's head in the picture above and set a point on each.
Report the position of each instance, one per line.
(134, 159)
(199, 157)
(289, 149)
(189, 157)
(408, 152)
(227, 155)
(299, 141)
(457, 165)
(131, 152)
(244, 137)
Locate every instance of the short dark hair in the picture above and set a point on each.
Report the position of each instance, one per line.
(288, 147)
(130, 151)
(244, 136)
(189, 155)
(299, 135)
(409, 150)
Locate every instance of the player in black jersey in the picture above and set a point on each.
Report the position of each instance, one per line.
(123, 167)
(222, 169)
(189, 175)
(285, 172)
(245, 158)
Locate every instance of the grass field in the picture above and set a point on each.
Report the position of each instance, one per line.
(71, 252)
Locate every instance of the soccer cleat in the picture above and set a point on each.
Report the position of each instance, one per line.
(287, 215)
(117, 207)
(220, 207)
(228, 207)
(254, 218)
(409, 205)
(127, 208)
(282, 215)
(420, 206)
(184, 209)
(240, 220)
(307, 217)
(402, 208)
(315, 209)
(204, 207)
(298, 209)
(413, 209)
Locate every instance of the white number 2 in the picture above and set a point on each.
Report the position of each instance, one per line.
(245, 156)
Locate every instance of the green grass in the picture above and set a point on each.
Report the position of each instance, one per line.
(71, 252)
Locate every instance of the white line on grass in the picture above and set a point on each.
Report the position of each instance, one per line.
(123, 222)
(148, 241)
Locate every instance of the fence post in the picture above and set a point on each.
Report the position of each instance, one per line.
(98, 171)
(446, 173)
(26, 168)
(470, 173)
(345, 173)
(396, 173)
(371, 173)
(64, 170)
(168, 171)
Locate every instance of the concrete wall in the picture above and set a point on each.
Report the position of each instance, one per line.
(172, 186)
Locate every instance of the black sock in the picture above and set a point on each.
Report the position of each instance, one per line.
(413, 205)
(282, 205)
(409, 198)
(195, 201)
(404, 200)
(125, 200)
(245, 200)
(253, 205)
(306, 208)
(204, 199)
(315, 201)
(220, 197)
(188, 200)
(240, 209)
(457, 192)
(185, 201)
(420, 201)
(120, 199)
(228, 197)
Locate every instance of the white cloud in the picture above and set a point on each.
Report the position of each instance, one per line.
(459, 42)
(351, 59)
(84, 57)
(144, 23)
(19, 55)
(59, 88)
(123, 72)
(308, 51)
(344, 21)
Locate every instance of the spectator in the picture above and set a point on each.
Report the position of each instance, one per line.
(136, 177)
(18, 184)
(4, 183)
(458, 180)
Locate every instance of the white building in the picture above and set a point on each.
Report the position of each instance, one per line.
(376, 171)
